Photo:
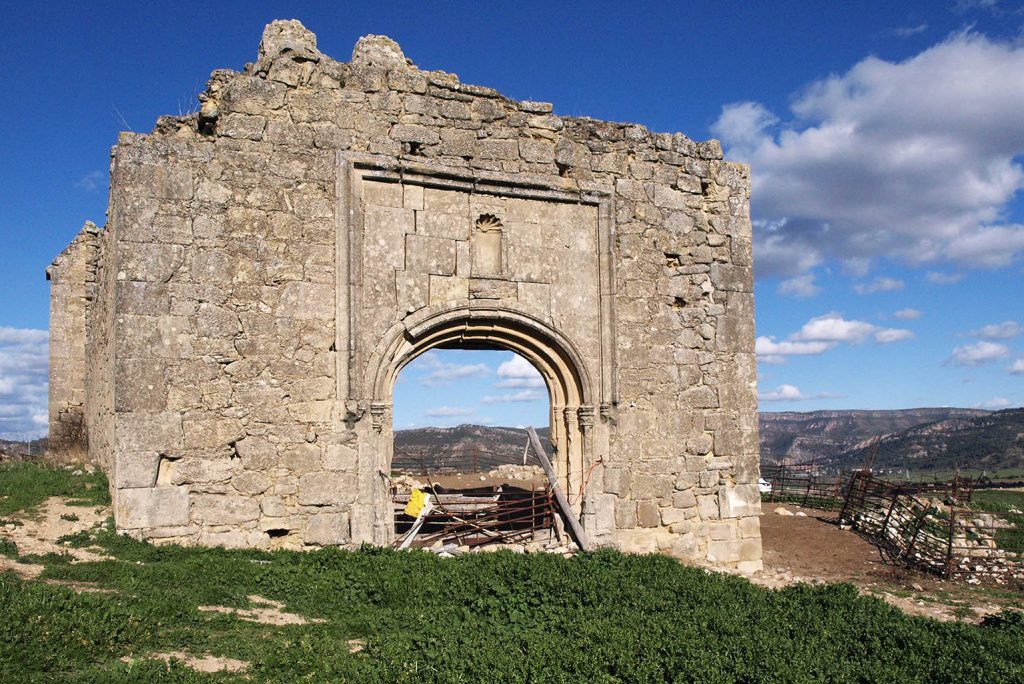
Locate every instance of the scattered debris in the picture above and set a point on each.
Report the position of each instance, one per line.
(459, 518)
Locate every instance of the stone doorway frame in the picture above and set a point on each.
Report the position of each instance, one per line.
(582, 398)
(569, 386)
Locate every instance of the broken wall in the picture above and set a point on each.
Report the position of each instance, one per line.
(72, 277)
(261, 252)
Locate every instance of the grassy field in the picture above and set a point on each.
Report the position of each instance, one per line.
(1003, 502)
(599, 617)
(23, 486)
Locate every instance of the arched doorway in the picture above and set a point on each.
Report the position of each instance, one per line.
(551, 353)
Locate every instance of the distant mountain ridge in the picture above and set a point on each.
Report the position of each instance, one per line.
(828, 436)
(14, 449)
(506, 442)
(992, 441)
(919, 439)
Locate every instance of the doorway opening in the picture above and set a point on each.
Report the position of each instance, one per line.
(464, 471)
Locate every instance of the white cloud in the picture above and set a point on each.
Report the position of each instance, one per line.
(776, 253)
(91, 181)
(908, 31)
(994, 403)
(822, 333)
(447, 412)
(890, 335)
(978, 353)
(767, 346)
(907, 314)
(999, 331)
(744, 124)
(518, 373)
(1017, 367)
(22, 336)
(936, 278)
(880, 284)
(783, 393)
(24, 366)
(799, 286)
(515, 383)
(514, 397)
(916, 159)
(834, 328)
(963, 6)
(444, 372)
(792, 393)
(990, 247)
(517, 367)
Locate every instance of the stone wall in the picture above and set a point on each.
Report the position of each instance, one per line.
(273, 260)
(72, 277)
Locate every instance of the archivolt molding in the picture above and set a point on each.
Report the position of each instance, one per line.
(555, 356)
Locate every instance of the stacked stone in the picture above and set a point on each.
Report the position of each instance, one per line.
(222, 237)
(73, 284)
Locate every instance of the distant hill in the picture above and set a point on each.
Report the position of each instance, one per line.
(464, 448)
(829, 436)
(918, 439)
(15, 450)
(461, 438)
(992, 441)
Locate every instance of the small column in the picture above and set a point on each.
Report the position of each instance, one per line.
(585, 416)
(574, 457)
(383, 523)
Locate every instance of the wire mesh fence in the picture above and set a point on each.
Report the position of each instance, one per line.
(801, 485)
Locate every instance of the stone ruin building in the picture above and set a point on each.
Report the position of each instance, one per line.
(227, 344)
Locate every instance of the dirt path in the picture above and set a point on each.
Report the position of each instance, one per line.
(804, 545)
(37, 534)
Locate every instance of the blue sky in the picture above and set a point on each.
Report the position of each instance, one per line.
(886, 143)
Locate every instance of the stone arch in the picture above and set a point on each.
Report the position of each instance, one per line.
(560, 363)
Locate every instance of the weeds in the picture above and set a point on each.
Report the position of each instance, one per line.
(25, 485)
(598, 617)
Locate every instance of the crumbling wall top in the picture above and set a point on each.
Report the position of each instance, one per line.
(288, 59)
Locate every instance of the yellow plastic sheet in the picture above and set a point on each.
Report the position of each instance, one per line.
(417, 500)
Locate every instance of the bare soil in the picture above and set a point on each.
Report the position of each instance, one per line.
(201, 663)
(805, 545)
(37, 534)
(269, 612)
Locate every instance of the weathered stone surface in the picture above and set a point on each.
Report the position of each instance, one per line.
(233, 333)
(151, 507)
(325, 489)
(226, 509)
(327, 529)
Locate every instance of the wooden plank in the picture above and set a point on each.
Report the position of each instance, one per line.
(563, 504)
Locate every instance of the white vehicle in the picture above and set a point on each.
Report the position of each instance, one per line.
(764, 486)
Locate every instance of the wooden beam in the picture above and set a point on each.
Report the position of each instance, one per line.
(575, 529)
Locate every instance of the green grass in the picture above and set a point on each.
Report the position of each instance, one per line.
(1002, 501)
(598, 617)
(25, 485)
(997, 500)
